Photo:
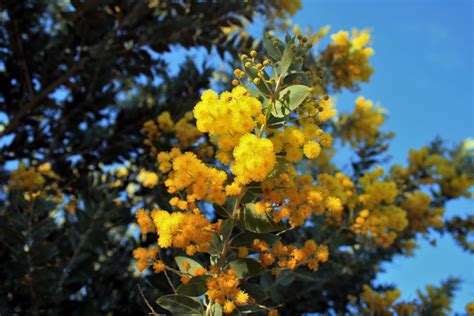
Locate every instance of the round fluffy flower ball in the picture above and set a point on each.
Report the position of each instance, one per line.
(312, 150)
(254, 159)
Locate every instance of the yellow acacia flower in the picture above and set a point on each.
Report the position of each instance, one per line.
(158, 267)
(363, 124)
(229, 307)
(165, 123)
(223, 288)
(379, 303)
(228, 117)
(144, 257)
(341, 38)
(312, 149)
(420, 214)
(188, 172)
(348, 58)
(145, 222)
(27, 179)
(254, 159)
(189, 231)
(148, 179)
(470, 308)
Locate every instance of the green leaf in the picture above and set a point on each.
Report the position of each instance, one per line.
(195, 287)
(246, 267)
(289, 99)
(221, 210)
(287, 57)
(226, 228)
(217, 310)
(255, 291)
(285, 277)
(273, 52)
(256, 222)
(180, 304)
(247, 238)
(215, 244)
(298, 76)
(192, 264)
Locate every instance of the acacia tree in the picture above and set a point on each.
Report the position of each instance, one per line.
(238, 202)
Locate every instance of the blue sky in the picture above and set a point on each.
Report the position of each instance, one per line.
(424, 77)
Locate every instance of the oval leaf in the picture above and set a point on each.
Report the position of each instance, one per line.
(273, 52)
(247, 238)
(180, 304)
(287, 58)
(215, 244)
(289, 99)
(246, 267)
(195, 287)
(226, 228)
(193, 264)
(255, 291)
(256, 222)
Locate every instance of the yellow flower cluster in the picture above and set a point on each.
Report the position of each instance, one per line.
(436, 169)
(184, 130)
(144, 257)
(363, 124)
(145, 222)
(347, 58)
(420, 215)
(287, 7)
(296, 196)
(148, 179)
(165, 122)
(185, 171)
(189, 231)
(223, 288)
(470, 308)
(26, 179)
(227, 118)
(289, 256)
(254, 159)
(316, 111)
(293, 142)
(32, 181)
(379, 303)
(384, 219)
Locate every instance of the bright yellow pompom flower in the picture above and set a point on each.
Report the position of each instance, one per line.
(254, 159)
(312, 150)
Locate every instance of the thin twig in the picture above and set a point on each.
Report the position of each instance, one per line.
(166, 273)
(146, 301)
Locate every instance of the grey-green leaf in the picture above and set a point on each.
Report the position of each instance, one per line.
(273, 52)
(195, 287)
(246, 267)
(289, 99)
(247, 238)
(192, 264)
(287, 58)
(255, 291)
(226, 228)
(256, 222)
(215, 244)
(180, 304)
